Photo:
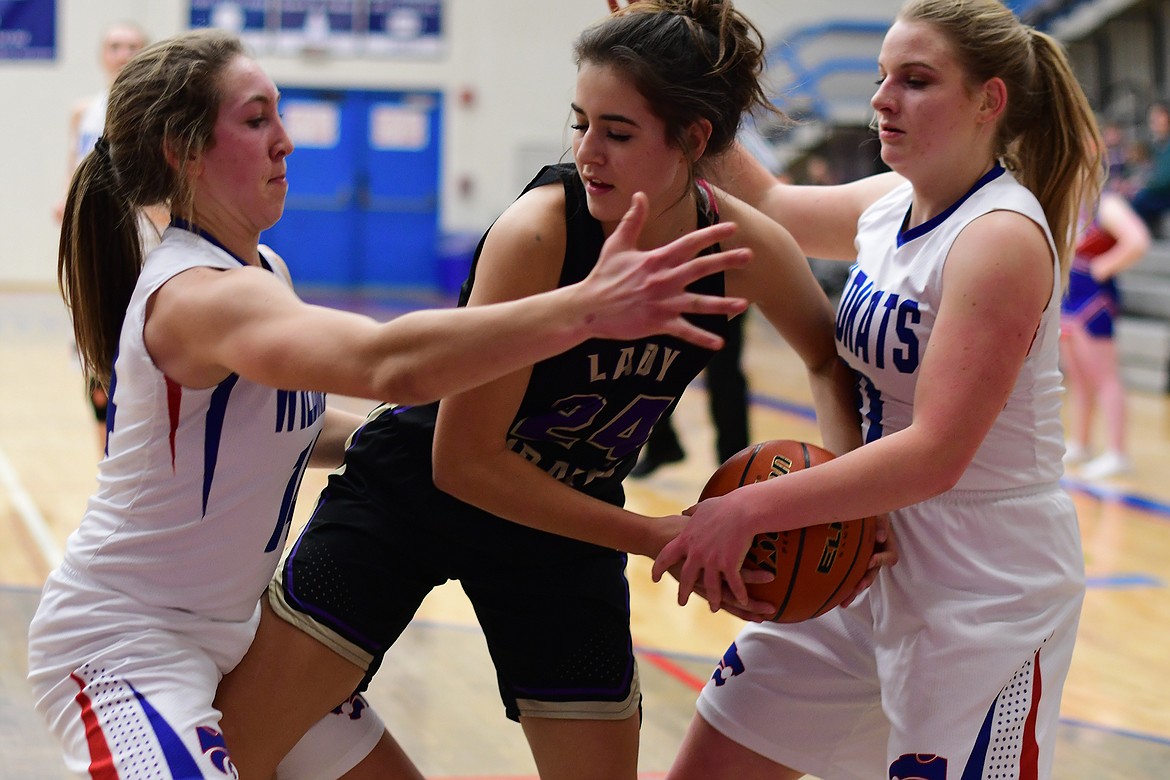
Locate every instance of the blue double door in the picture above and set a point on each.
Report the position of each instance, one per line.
(363, 200)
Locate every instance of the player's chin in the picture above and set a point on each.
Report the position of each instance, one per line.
(606, 207)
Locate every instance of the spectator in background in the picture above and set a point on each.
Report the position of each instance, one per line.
(1116, 150)
(1113, 239)
(1139, 163)
(120, 42)
(1152, 201)
(818, 171)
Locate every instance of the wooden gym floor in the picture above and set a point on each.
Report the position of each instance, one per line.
(437, 689)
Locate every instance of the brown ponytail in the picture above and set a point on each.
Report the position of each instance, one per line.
(166, 98)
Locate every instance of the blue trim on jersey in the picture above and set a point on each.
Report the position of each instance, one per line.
(183, 224)
(178, 758)
(289, 501)
(906, 236)
(286, 401)
(111, 407)
(216, 412)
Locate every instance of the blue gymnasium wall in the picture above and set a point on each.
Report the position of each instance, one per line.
(363, 201)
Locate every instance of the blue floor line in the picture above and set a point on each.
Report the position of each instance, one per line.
(1122, 581)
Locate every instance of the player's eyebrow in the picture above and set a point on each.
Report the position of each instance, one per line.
(607, 117)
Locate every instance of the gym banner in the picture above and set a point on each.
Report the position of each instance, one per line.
(28, 29)
(346, 28)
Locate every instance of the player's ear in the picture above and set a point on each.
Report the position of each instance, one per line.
(698, 133)
(993, 99)
(174, 157)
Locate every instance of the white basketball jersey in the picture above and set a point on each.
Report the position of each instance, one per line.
(887, 313)
(197, 489)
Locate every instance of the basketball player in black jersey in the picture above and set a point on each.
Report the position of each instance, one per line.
(515, 488)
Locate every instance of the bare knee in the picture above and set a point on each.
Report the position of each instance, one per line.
(286, 682)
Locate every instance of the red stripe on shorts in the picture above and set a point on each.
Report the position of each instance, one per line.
(101, 762)
(1030, 750)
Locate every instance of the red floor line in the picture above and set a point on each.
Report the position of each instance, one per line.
(641, 776)
(674, 670)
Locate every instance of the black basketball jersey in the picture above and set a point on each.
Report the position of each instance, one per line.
(587, 412)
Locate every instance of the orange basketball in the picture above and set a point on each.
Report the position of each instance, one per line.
(816, 567)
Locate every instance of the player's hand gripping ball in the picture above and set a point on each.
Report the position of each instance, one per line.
(816, 567)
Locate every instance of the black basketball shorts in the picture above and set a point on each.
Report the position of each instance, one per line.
(555, 611)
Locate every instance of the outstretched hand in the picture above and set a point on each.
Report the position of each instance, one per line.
(642, 293)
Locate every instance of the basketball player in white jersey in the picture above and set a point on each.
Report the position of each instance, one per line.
(951, 665)
(217, 375)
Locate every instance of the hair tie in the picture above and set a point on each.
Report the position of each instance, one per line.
(102, 147)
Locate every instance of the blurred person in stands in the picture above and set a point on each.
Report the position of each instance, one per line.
(1152, 200)
(1113, 238)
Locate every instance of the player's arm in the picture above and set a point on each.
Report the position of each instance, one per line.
(471, 458)
(822, 219)
(204, 324)
(1119, 219)
(997, 281)
(73, 139)
(329, 451)
(781, 284)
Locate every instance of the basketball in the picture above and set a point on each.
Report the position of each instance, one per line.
(816, 567)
